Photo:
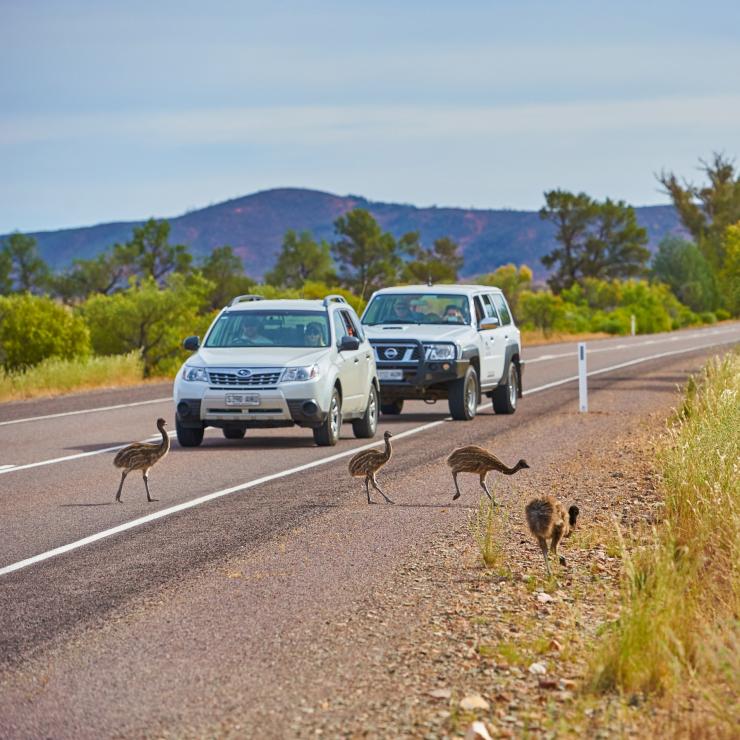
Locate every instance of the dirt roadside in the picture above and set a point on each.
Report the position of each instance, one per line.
(444, 640)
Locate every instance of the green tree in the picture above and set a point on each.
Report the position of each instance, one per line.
(33, 328)
(150, 319)
(6, 264)
(439, 263)
(542, 310)
(149, 254)
(512, 281)
(301, 259)
(707, 210)
(681, 265)
(367, 257)
(103, 274)
(730, 274)
(225, 270)
(28, 271)
(599, 240)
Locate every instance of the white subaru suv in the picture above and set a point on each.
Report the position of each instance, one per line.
(276, 363)
(457, 342)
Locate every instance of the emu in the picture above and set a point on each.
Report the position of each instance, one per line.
(368, 462)
(548, 520)
(141, 456)
(474, 459)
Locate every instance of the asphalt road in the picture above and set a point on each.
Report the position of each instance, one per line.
(127, 619)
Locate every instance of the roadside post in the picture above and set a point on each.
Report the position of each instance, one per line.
(582, 388)
(633, 324)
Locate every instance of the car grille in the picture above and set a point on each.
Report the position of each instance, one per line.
(262, 378)
(397, 353)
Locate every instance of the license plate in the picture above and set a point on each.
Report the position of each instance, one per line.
(390, 374)
(242, 399)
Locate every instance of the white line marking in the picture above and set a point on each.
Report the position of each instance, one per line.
(307, 466)
(85, 411)
(13, 468)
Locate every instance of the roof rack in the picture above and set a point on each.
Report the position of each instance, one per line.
(334, 298)
(247, 297)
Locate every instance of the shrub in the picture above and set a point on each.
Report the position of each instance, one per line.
(33, 328)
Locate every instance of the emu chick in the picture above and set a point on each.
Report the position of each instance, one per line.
(548, 520)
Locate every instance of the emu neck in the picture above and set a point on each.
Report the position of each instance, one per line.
(388, 450)
(165, 445)
(510, 471)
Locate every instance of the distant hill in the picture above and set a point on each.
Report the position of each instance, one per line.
(254, 226)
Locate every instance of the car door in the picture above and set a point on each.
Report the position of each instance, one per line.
(496, 344)
(507, 331)
(351, 364)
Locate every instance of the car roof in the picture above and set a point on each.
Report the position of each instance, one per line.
(439, 289)
(290, 304)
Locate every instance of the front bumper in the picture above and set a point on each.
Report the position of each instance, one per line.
(273, 410)
(425, 380)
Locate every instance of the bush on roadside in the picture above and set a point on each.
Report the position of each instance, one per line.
(34, 328)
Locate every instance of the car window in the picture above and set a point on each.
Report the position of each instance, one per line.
(479, 310)
(339, 328)
(276, 328)
(417, 308)
(488, 306)
(503, 309)
(350, 325)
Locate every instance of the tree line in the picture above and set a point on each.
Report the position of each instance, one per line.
(146, 293)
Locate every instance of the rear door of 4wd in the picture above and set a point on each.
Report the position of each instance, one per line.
(353, 365)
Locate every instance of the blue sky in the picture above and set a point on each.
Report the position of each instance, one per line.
(116, 111)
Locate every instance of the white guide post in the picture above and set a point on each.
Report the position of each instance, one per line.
(633, 324)
(582, 389)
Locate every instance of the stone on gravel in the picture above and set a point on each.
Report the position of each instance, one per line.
(544, 598)
(473, 701)
(538, 669)
(440, 693)
(477, 731)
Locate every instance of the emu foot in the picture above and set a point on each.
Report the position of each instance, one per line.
(562, 560)
(456, 496)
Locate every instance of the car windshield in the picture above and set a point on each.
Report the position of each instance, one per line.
(270, 329)
(417, 308)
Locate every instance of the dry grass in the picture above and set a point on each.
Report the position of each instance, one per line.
(488, 525)
(55, 376)
(678, 628)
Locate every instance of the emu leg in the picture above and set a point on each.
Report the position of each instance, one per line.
(557, 537)
(146, 485)
(120, 488)
(367, 488)
(485, 488)
(457, 488)
(379, 489)
(543, 547)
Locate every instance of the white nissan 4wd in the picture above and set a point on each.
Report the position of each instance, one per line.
(457, 342)
(276, 363)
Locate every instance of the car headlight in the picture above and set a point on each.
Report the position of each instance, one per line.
(293, 374)
(440, 351)
(195, 374)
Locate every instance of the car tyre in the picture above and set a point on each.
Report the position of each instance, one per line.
(189, 436)
(463, 396)
(327, 435)
(235, 432)
(505, 396)
(367, 425)
(394, 408)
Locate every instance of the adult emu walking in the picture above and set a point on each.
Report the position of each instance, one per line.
(474, 459)
(141, 456)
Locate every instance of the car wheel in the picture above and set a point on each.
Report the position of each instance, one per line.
(394, 408)
(327, 435)
(365, 427)
(505, 396)
(463, 396)
(235, 432)
(188, 436)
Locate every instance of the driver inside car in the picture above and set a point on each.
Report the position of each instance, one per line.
(251, 332)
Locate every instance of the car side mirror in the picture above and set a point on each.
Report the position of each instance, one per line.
(488, 323)
(349, 343)
(191, 343)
